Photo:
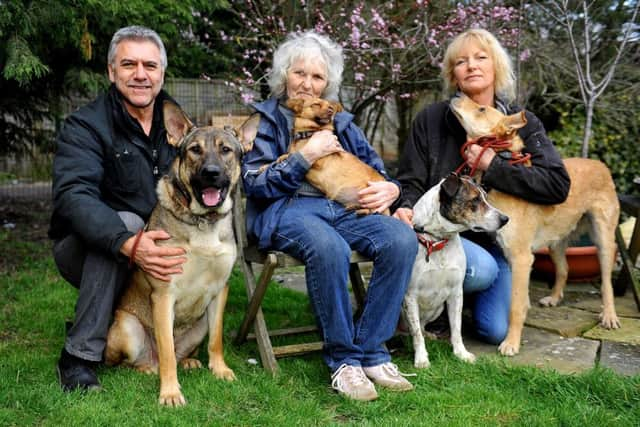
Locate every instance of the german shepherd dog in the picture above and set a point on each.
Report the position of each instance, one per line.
(591, 206)
(158, 324)
(339, 175)
(456, 204)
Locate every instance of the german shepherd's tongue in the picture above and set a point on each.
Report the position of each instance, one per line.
(210, 196)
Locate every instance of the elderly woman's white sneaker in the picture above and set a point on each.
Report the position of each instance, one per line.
(387, 375)
(351, 381)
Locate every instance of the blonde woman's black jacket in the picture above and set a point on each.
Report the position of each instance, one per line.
(433, 151)
(105, 163)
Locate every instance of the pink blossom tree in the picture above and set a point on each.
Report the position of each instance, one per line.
(393, 49)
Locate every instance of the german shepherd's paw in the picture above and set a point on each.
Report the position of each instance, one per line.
(171, 397)
(147, 369)
(609, 319)
(508, 348)
(190, 363)
(222, 371)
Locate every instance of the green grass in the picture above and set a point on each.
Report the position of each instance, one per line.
(36, 302)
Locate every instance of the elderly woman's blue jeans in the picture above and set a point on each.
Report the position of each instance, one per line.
(487, 287)
(321, 233)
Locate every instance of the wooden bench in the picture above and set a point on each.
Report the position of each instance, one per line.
(248, 256)
(630, 205)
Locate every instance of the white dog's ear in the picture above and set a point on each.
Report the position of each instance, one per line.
(450, 185)
(176, 123)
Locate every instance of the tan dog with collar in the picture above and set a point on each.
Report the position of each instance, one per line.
(339, 175)
(159, 324)
(591, 206)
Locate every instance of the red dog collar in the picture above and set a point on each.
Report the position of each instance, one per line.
(431, 245)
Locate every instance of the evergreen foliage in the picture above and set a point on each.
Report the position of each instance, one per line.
(53, 50)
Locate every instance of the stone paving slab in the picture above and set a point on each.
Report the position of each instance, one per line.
(565, 321)
(544, 349)
(573, 292)
(628, 332)
(625, 306)
(623, 358)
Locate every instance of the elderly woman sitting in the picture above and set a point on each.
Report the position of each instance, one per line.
(286, 213)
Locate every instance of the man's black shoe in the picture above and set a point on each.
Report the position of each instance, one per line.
(76, 374)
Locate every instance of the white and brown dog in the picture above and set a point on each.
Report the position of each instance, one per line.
(456, 204)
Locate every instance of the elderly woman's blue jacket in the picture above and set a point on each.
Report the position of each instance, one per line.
(268, 192)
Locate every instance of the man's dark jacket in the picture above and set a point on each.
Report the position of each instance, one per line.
(105, 163)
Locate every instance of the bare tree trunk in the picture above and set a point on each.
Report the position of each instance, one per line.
(562, 13)
(584, 152)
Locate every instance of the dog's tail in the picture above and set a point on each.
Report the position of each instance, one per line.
(113, 356)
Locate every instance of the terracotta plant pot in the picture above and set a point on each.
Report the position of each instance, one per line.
(583, 264)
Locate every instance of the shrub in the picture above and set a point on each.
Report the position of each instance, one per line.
(614, 142)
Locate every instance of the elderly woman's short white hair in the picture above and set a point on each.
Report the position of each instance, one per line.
(309, 46)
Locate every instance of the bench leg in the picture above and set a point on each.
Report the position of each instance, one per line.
(255, 316)
(634, 246)
(626, 276)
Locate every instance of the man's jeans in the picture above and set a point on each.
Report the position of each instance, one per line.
(100, 280)
(321, 233)
(488, 281)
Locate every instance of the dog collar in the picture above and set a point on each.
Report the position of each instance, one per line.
(202, 221)
(303, 135)
(431, 245)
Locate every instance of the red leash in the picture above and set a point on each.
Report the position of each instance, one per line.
(490, 141)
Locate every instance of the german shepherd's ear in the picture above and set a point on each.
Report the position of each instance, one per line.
(176, 123)
(450, 185)
(337, 107)
(247, 132)
(296, 105)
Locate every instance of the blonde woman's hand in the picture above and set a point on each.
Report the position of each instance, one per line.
(474, 154)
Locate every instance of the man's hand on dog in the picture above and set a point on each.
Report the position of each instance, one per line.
(320, 144)
(474, 152)
(159, 261)
(378, 196)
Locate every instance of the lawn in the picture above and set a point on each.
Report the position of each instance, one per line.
(36, 302)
